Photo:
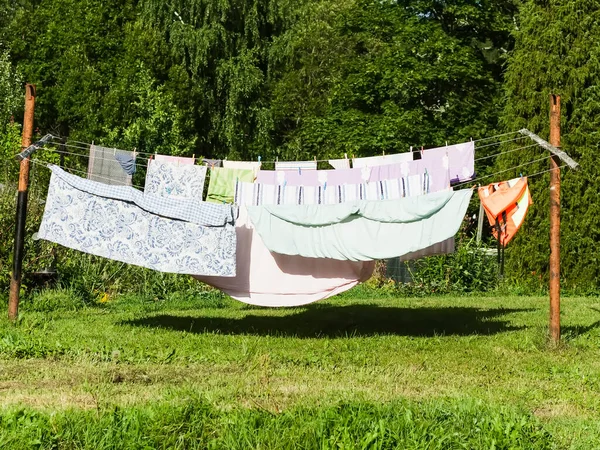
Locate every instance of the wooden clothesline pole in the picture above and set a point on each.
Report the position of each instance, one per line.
(15, 281)
(555, 221)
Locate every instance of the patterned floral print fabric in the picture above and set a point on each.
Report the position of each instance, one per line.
(123, 231)
(171, 180)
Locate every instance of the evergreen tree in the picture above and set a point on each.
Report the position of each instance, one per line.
(557, 51)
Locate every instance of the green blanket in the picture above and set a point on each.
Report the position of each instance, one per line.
(221, 187)
(361, 230)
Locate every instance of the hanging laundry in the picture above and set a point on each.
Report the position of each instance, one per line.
(432, 172)
(221, 187)
(211, 162)
(123, 224)
(506, 205)
(374, 161)
(254, 166)
(168, 179)
(127, 161)
(412, 178)
(105, 168)
(340, 164)
(458, 160)
(177, 160)
(313, 177)
(269, 279)
(361, 230)
(295, 165)
(439, 248)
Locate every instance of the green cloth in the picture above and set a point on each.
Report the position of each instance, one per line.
(221, 187)
(361, 230)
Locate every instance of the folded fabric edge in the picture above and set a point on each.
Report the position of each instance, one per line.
(129, 194)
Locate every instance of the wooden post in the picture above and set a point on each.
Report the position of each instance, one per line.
(15, 281)
(555, 221)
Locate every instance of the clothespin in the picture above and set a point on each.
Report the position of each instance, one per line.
(259, 158)
(277, 159)
(345, 155)
(521, 174)
(114, 151)
(325, 185)
(299, 171)
(384, 153)
(134, 153)
(446, 143)
(194, 158)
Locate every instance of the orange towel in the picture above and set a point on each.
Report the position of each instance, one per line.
(506, 204)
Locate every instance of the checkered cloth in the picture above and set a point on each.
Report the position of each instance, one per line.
(188, 210)
(104, 167)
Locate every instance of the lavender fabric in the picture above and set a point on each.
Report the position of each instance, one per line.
(313, 177)
(458, 160)
(438, 176)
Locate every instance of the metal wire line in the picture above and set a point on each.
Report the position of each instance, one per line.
(507, 151)
(45, 164)
(503, 171)
(85, 146)
(97, 158)
(501, 142)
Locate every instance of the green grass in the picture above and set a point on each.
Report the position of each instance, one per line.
(467, 372)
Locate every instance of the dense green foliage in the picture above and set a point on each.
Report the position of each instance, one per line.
(248, 77)
(557, 52)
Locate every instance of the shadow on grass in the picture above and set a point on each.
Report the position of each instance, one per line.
(573, 331)
(340, 321)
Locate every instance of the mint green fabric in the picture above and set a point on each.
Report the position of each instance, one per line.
(361, 230)
(221, 187)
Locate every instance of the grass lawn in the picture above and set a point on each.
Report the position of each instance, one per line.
(466, 372)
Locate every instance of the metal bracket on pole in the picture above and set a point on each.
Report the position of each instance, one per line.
(554, 150)
(33, 147)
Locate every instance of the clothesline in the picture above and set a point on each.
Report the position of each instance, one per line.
(96, 157)
(502, 142)
(497, 136)
(85, 146)
(474, 180)
(45, 164)
(507, 151)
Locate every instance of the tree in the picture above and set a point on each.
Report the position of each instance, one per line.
(400, 73)
(556, 51)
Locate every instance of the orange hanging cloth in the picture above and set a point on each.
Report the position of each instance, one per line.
(506, 204)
